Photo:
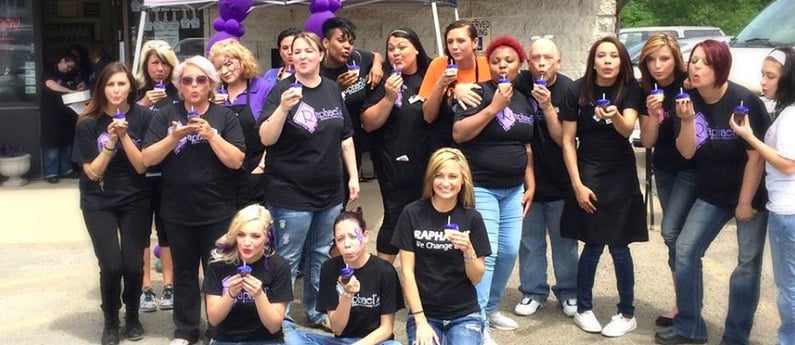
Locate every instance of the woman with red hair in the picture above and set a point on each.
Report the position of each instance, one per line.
(495, 138)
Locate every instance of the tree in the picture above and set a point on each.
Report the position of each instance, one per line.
(729, 15)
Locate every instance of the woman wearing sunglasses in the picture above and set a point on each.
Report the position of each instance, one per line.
(200, 145)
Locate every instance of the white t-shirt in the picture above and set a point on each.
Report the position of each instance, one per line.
(781, 188)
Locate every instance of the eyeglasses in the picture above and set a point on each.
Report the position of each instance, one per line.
(201, 80)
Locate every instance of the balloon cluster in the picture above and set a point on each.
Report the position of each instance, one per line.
(321, 10)
(229, 24)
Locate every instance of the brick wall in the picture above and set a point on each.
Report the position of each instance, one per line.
(575, 24)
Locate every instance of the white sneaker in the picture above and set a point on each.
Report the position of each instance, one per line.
(587, 322)
(529, 306)
(499, 321)
(487, 340)
(569, 307)
(619, 326)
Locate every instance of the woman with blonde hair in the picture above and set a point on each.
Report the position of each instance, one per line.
(307, 131)
(443, 242)
(200, 145)
(246, 93)
(663, 73)
(246, 284)
(156, 91)
(114, 195)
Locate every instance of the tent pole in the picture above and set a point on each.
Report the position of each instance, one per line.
(139, 42)
(436, 28)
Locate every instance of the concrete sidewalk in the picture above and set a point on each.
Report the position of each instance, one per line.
(49, 281)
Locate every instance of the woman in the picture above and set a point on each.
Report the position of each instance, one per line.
(247, 285)
(728, 173)
(393, 115)
(156, 91)
(778, 84)
(307, 145)
(114, 195)
(442, 265)
(440, 82)
(361, 310)
(608, 208)
(238, 70)
(199, 154)
(285, 69)
(57, 120)
(663, 70)
(495, 137)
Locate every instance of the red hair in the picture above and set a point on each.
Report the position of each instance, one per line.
(507, 41)
(718, 57)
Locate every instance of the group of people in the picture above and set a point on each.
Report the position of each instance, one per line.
(478, 160)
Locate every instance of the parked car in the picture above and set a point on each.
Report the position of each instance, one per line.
(633, 36)
(770, 28)
(685, 45)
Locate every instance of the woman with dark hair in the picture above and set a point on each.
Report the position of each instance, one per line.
(728, 175)
(495, 137)
(360, 292)
(284, 41)
(443, 243)
(246, 284)
(200, 145)
(778, 150)
(393, 115)
(307, 132)
(607, 207)
(57, 120)
(114, 195)
(450, 78)
(662, 77)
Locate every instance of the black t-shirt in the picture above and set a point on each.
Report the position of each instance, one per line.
(57, 120)
(198, 189)
(402, 143)
(304, 167)
(121, 184)
(666, 157)
(552, 178)
(720, 154)
(497, 155)
(379, 294)
(356, 94)
(445, 291)
(243, 324)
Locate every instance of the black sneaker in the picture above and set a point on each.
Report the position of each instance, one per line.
(110, 335)
(133, 330)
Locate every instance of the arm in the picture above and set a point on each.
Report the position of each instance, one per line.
(376, 71)
(133, 153)
(649, 128)
(686, 140)
(430, 108)
(425, 334)
(376, 115)
(52, 85)
(380, 334)
(752, 176)
(230, 155)
(218, 307)
(270, 314)
(96, 168)
(271, 128)
(155, 153)
(339, 317)
(624, 123)
(544, 98)
(470, 127)
(771, 155)
(349, 159)
(529, 181)
(585, 196)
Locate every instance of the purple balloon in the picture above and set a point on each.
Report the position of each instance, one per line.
(234, 9)
(232, 26)
(315, 22)
(220, 36)
(334, 5)
(156, 250)
(218, 24)
(318, 6)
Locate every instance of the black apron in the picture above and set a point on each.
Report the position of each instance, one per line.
(248, 186)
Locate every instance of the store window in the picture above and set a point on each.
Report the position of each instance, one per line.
(17, 56)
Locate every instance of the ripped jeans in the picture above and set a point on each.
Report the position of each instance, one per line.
(465, 330)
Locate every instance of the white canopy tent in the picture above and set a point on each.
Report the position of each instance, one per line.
(201, 4)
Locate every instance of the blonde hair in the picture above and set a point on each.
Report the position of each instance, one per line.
(654, 43)
(312, 39)
(205, 66)
(226, 245)
(448, 154)
(232, 48)
(164, 52)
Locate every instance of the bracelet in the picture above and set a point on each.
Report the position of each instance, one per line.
(470, 258)
(107, 151)
(229, 292)
(346, 294)
(417, 312)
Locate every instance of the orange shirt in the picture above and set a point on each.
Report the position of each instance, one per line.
(439, 64)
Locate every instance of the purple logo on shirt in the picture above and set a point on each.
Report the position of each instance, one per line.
(102, 142)
(702, 129)
(399, 98)
(305, 117)
(181, 143)
(506, 118)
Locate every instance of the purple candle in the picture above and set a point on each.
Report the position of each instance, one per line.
(354, 68)
(541, 81)
(118, 116)
(682, 94)
(345, 275)
(397, 70)
(160, 85)
(243, 269)
(297, 87)
(503, 82)
(223, 93)
(604, 102)
(192, 113)
(451, 69)
(655, 90)
(740, 113)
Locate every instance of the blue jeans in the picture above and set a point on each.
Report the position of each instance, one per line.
(677, 193)
(300, 337)
(543, 217)
(782, 250)
(270, 342)
(625, 277)
(295, 230)
(501, 209)
(57, 161)
(465, 330)
(703, 224)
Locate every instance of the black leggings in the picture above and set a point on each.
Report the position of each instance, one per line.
(119, 258)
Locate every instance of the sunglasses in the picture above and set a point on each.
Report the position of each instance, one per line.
(201, 80)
